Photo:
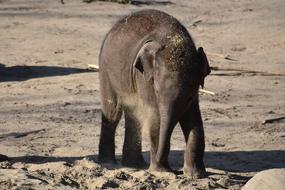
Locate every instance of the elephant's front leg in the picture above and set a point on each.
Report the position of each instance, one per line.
(111, 115)
(107, 140)
(192, 127)
(154, 134)
(132, 149)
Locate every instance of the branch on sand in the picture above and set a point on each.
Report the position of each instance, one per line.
(134, 2)
(228, 57)
(273, 120)
(93, 67)
(239, 71)
(115, 1)
(242, 71)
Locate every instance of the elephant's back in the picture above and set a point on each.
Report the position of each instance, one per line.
(129, 32)
(141, 23)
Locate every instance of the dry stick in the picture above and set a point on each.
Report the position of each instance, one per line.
(94, 67)
(273, 120)
(221, 56)
(242, 71)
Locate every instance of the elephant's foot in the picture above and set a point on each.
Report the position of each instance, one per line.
(106, 153)
(159, 167)
(108, 162)
(195, 172)
(134, 161)
(106, 158)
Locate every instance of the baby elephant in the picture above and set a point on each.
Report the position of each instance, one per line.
(151, 70)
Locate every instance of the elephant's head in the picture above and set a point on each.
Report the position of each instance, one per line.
(176, 70)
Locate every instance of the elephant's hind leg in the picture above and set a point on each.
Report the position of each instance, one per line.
(132, 150)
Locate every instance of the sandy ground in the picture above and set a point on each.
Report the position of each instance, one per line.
(50, 108)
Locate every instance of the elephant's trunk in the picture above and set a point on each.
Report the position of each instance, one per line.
(167, 124)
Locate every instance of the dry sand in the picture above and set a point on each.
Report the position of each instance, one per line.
(50, 109)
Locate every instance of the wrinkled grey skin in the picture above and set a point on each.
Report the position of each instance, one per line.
(151, 70)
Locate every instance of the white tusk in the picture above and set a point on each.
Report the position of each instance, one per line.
(207, 92)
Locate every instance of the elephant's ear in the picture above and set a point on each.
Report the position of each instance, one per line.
(145, 58)
(206, 70)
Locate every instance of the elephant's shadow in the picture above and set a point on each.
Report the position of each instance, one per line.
(24, 72)
(236, 161)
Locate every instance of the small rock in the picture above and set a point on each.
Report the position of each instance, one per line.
(5, 165)
(123, 176)
(101, 183)
(224, 181)
(215, 144)
(66, 104)
(66, 180)
(238, 48)
(110, 184)
(273, 179)
(58, 51)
